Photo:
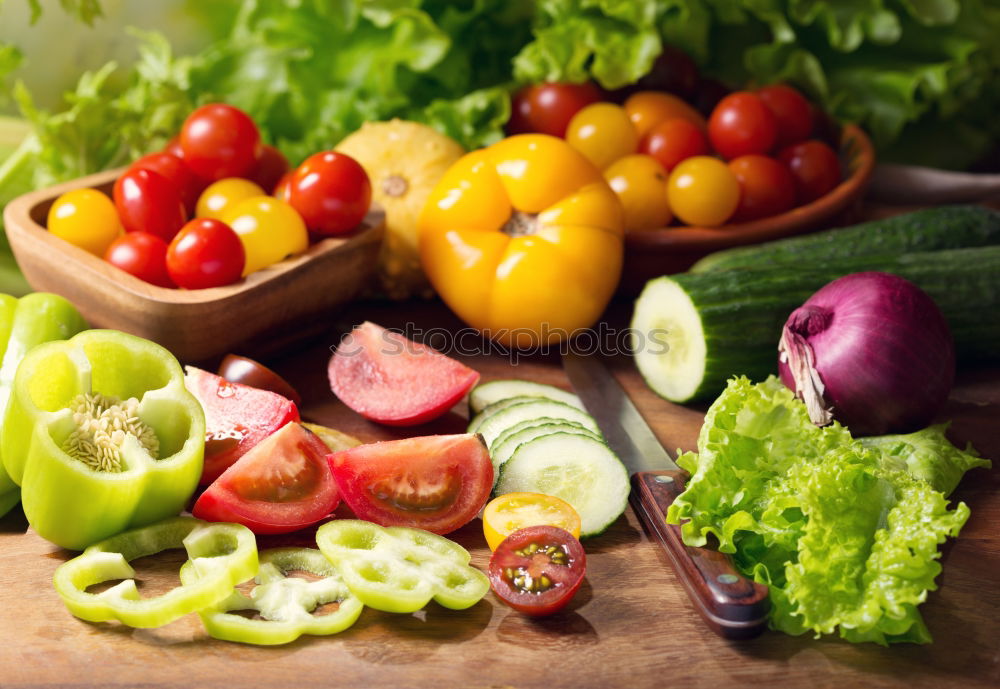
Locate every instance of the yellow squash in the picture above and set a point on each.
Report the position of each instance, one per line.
(523, 240)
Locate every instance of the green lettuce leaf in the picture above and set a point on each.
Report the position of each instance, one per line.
(844, 532)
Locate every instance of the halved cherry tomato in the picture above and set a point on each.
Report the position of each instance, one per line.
(674, 140)
(766, 187)
(703, 191)
(814, 166)
(506, 514)
(220, 141)
(392, 380)
(538, 570)
(547, 108)
(331, 191)
(281, 485)
(603, 133)
(205, 253)
(143, 255)
(270, 167)
(223, 195)
(647, 109)
(148, 202)
(741, 124)
(269, 228)
(436, 483)
(85, 218)
(640, 183)
(246, 371)
(177, 173)
(791, 111)
(237, 417)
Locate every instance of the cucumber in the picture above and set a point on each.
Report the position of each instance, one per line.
(930, 229)
(486, 394)
(692, 332)
(491, 409)
(582, 471)
(543, 421)
(504, 448)
(496, 424)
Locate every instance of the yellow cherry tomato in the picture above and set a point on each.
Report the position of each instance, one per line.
(85, 218)
(641, 185)
(269, 228)
(224, 194)
(703, 191)
(603, 132)
(523, 240)
(646, 109)
(508, 513)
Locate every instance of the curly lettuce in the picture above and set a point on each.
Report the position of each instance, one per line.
(844, 532)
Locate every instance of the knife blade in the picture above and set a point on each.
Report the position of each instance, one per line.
(732, 605)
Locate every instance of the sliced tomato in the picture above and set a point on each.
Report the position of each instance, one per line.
(436, 483)
(392, 380)
(282, 484)
(537, 570)
(512, 512)
(237, 417)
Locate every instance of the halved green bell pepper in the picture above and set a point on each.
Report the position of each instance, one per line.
(74, 503)
(285, 603)
(220, 556)
(399, 569)
(25, 323)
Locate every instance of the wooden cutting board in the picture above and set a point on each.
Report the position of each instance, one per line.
(631, 624)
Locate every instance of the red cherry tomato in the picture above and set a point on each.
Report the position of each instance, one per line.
(673, 71)
(205, 253)
(792, 112)
(270, 168)
(177, 173)
(148, 202)
(672, 141)
(331, 192)
(246, 371)
(220, 141)
(141, 254)
(173, 147)
(283, 484)
(766, 187)
(741, 124)
(436, 483)
(547, 108)
(814, 167)
(537, 570)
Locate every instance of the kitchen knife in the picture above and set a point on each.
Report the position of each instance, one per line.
(733, 606)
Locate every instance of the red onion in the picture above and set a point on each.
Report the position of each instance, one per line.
(872, 351)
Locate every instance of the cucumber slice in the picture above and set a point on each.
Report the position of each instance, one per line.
(582, 471)
(490, 410)
(543, 421)
(486, 394)
(538, 407)
(505, 446)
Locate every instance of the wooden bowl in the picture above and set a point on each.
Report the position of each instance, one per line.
(269, 304)
(674, 249)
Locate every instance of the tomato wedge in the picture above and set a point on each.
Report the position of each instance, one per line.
(394, 381)
(436, 483)
(538, 570)
(282, 484)
(237, 417)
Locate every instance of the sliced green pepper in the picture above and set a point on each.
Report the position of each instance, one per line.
(285, 603)
(101, 435)
(25, 323)
(221, 555)
(398, 569)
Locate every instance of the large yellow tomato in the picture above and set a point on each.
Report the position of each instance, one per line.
(523, 240)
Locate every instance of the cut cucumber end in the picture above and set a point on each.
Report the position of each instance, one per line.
(485, 394)
(668, 341)
(533, 408)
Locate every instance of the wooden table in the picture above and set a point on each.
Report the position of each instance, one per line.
(631, 625)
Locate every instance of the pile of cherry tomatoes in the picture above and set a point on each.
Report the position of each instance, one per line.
(756, 154)
(215, 205)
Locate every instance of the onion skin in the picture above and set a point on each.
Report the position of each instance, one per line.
(882, 350)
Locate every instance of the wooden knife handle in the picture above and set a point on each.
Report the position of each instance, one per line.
(733, 606)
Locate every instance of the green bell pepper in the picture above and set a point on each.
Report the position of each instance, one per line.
(220, 554)
(399, 569)
(25, 323)
(285, 603)
(101, 435)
